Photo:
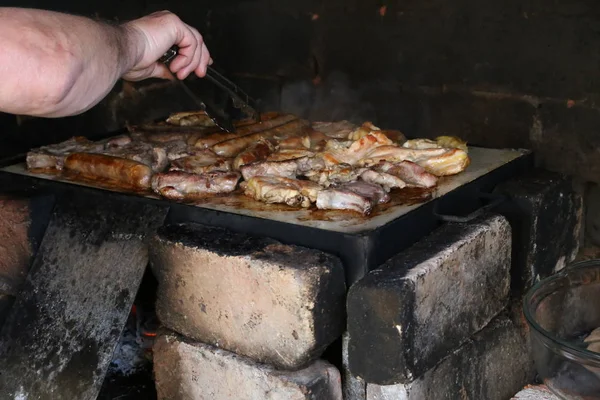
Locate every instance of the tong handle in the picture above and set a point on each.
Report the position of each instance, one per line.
(239, 98)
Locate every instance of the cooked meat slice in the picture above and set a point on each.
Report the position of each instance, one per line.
(274, 189)
(362, 131)
(145, 153)
(53, 156)
(265, 124)
(452, 162)
(289, 154)
(190, 118)
(385, 180)
(118, 170)
(232, 147)
(307, 164)
(207, 161)
(411, 173)
(371, 191)
(256, 152)
(166, 137)
(334, 175)
(342, 199)
(179, 185)
(337, 130)
(285, 169)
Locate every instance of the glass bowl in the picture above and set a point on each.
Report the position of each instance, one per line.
(561, 312)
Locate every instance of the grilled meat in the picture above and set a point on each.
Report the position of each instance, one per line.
(179, 185)
(232, 147)
(53, 156)
(275, 189)
(385, 180)
(190, 118)
(142, 152)
(265, 124)
(121, 171)
(357, 150)
(284, 169)
(333, 175)
(202, 162)
(336, 130)
(257, 152)
(451, 162)
(412, 174)
(289, 154)
(355, 196)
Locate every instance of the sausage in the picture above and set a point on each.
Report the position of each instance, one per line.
(265, 124)
(119, 170)
(232, 147)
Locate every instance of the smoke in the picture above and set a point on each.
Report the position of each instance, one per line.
(334, 99)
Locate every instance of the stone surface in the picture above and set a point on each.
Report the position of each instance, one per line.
(537, 392)
(15, 246)
(493, 365)
(407, 315)
(277, 304)
(353, 387)
(546, 216)
(186, 370)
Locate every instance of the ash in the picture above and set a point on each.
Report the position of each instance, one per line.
(132, 354)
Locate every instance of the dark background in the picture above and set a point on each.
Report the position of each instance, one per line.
(497, 73)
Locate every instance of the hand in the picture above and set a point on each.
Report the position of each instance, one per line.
(151, 36)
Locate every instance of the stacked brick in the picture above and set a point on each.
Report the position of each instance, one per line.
(244, 317)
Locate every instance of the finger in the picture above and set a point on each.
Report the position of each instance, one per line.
(187, 47)
(160, 70)
(204, 62)
(197, 57)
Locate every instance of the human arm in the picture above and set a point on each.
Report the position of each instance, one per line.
(55, 65)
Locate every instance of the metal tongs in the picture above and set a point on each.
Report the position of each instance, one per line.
(239, 98)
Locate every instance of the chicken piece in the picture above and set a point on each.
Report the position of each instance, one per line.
(308, 139)
(385, 180)
(362, 131)
(421, 144)
(257, 152)
(53, 156)
(274, 189)
(338, 154)
(284, 169)
(337, 130)
(117, 141)
(338, 199)
(452, 162)
(203, 162)
(333, 175)
(179, 185)
(412, 174)
(371, 191)
(289, 154)
(398, 154)
(452, 142)
(190, 118)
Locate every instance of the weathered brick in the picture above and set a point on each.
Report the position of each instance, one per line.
(407, 315)
(546, 214)
(354, 388)
(278, 304)
(186, 370)
(537, 392)
(15, 247)
(494, 365)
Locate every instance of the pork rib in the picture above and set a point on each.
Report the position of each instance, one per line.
(179, 185)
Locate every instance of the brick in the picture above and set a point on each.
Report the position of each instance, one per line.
(494, 365)
(546, 215)
(354, 388)
(407, 315)
(537, 392)
(278, 304)
(186, 370)
(15, 248)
